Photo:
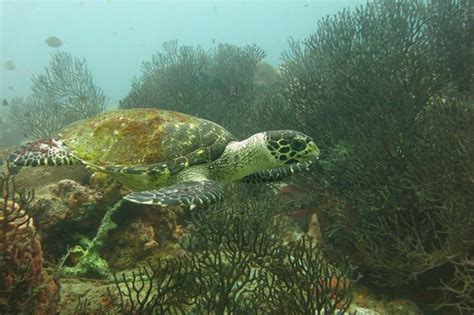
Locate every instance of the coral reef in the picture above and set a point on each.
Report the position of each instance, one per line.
(101, 237)
(386, 89)
(39, 177)
(9, 136)
(246, 252)
(321, 287)
(70, 206)
(143, 233)
(265, 74)
(25, 286)
(458, 293)
(161, 288)
(237, 259)
(198, 82)
(65, 93)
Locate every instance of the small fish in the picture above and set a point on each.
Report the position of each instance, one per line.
(53, 41)
(5, 102)
(11, 88)
(213, 40)
(9, 65)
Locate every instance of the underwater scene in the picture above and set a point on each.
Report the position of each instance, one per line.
(237, 157)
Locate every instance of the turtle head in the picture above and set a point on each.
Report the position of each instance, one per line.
(289, 147)
(267, 155)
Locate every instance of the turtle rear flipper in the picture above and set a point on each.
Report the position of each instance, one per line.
(190, 194)
(48, 152)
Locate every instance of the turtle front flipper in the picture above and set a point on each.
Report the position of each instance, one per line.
(46, 152)
(275, 174)
(190, 194)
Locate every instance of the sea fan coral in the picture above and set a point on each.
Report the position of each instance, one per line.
(201, 82)
(63, 94)
(25, 287)
(387, 89)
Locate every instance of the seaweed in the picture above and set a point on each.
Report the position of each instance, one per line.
(63, 94)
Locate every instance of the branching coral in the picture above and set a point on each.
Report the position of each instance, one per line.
(170, 79)
(304, 283)
(24, 285)
(161, 288)
(228, 249)
(65, 93)
(458, 293)
(194, 81)
(386, 90)
(238, 262)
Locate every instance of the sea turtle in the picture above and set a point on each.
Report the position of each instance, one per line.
(169, 158)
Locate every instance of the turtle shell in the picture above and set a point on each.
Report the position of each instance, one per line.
(146, 136)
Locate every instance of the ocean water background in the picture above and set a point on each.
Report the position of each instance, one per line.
(115, 37)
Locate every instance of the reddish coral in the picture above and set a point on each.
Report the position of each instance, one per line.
(23, 264)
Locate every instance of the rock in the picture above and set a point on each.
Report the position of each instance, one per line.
(67, 209)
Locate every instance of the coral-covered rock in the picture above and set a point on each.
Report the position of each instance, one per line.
(141, 233)
(68, 209)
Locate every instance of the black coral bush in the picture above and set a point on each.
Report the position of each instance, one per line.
(386, 90)
(63, 94)
(218, 84)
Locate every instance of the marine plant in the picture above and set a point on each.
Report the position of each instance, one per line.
(386, 90)
(199, 82)
(25, 287)
(63, 94)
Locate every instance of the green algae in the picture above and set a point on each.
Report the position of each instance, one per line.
(91, 264)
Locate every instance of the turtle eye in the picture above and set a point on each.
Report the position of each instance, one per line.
(297, 144)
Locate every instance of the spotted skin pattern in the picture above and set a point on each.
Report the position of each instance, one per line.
(289, 146)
